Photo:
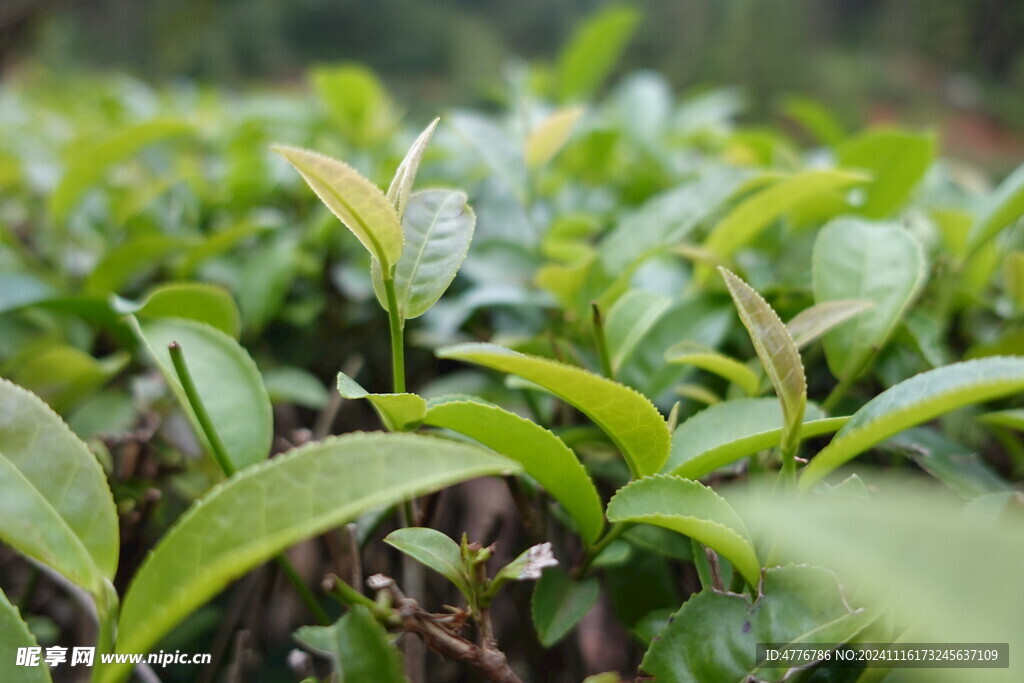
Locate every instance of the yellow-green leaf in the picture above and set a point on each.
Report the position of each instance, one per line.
(753, 215)
(357, 202)
(692, 509)
(629, 419)
(691, 353)
(778, 354)
(916, 400)
(813, 322)
(542, 454)
(547, 138)
(55, 505)
(398, 412)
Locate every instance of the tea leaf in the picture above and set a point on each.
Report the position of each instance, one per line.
(358, 646)
(405, 176)
(438, 227)
(897, 161)
(197, 301)
(547, 138)
(398, 412)
(916, 400)
(1004, 207)
(669, 217)
(594, 50)
(289, 384)
(629, 320)
(692, 509)
(559, 603)
(435, 550)
(901, 559)
(811, 323)
(119, 264)
(728, 431)
(90, 165)
(229, 384)
(629, 419)
(55, 503)
(357, 202)
(14, 634)
(778, 354)
(63, 376)
(746, 221)
(262, 510)
(797, 604)
(542, 454)
(877, 262)
(356, 100)
(705, 358)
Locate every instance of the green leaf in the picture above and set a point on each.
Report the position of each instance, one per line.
(438, 226)
(692, 509)
(594, 49)
(877, 262)
(811, 323)
(751, 216)
(435, 550)
(288, 384)
(1004, 207)
(691, 353)
(357, 101)
(629, 320)
(22, 289)
(559, 603)
(228, 382)
(398, 412)
(405, 175)
(955, 465)
(668, 218)
(359, 647)
(713, 636)
(896, 160)
(550, 135)
(63, 376)
(14, 634)
(122, 262)
(89, 165)
(728, 431)
(542, 454)
(629, 419)
(1012, 419)
(357, 202)
(204, 303)
(262, 510)
(903, 549)
(1013, 278)
(778, 354)
(56, 505)
(916, 400)
(814, 118)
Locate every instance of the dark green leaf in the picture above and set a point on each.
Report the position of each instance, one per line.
(559, 603)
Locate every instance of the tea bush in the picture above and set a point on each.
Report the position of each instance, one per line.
(742, 384)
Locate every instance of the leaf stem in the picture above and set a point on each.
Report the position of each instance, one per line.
(397, 336)
(594, 550)
(601, 342)
(220, 454)
(217, 447)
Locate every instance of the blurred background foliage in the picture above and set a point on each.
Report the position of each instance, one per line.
(957, 62)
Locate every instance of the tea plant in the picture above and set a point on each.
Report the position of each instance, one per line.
(689, 472)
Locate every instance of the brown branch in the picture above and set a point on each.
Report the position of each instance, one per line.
(442, 634)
